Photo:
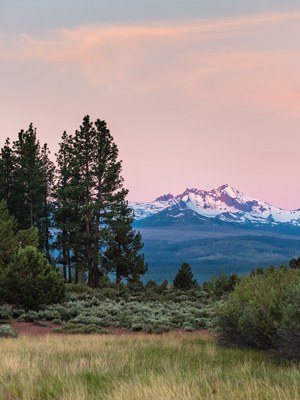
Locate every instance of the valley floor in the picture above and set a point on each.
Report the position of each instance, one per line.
(173, 366)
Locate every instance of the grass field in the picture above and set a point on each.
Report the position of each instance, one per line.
(144, 367)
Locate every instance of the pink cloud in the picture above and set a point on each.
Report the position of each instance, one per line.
(203, 102)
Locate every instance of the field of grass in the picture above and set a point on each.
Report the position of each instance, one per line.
(143, 367)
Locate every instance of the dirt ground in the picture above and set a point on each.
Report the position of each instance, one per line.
(31, 329)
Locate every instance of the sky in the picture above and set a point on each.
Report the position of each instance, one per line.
(196, 93)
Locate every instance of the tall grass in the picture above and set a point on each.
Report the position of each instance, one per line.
(172, 366)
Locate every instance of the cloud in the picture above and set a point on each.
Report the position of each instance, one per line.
(228, 84)
(252, 61)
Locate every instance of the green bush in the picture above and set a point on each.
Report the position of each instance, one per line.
(80, 329)
(30, 282)
(7, 331)
(221, 285)
(264, 312)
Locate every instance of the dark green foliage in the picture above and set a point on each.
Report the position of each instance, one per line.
(92, 216)
(6, 331)
(184, 278)
(28, 237)
(26, 180)
(84, 202)
(8, 242)
(221, 285)
(123, 256)
(7, 174)
(295, 263)
(264, 312)
(30, 282)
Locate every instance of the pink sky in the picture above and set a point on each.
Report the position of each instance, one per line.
(193, 103)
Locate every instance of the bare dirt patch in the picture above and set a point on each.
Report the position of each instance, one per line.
(31, 329)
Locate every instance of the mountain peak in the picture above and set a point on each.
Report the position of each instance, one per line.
(165, 197)
(228, 191)
(223, 203)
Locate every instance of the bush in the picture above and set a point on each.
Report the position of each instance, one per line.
(264, 312)
(221, 285)
(79, 329)
(30, 282)
(7, 331)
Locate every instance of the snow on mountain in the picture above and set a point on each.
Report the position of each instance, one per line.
(224, 203)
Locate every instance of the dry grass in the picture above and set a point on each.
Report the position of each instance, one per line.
(167, 367)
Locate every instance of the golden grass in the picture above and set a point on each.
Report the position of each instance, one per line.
(168, 367)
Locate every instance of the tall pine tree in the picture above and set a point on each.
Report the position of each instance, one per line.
(123, 256)
(26, 179)
(91, 189)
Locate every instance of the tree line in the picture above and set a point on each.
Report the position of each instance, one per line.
(78, 205)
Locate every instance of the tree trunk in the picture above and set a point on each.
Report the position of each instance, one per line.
(69, 267)
(90, 279)
(118, 281)
(76, 275)
(31, 215)
(64, 256)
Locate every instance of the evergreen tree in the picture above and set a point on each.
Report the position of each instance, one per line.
(184, 278)
(83, 163)
(28, 179)
(123, 256)
(28, 237)
(89, 193)
(7, 173)
(29, 281)
(67, 219)
(8, 242)
(45, 221)
(108, 194)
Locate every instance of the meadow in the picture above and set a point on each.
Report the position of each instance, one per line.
(171, 366)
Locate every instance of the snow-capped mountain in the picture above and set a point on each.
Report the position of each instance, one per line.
(223, 203)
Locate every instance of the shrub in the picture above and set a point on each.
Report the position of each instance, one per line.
(30, 282)
(156, 328)
(264, 312)
(7, 331)
(57, 321)
(5, 312)
(221, 285)
(79, 329)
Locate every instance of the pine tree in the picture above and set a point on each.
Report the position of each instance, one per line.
(46, 218)
(26, 184)
(89, 193)
(7, 173)
(184, 278)
(123, 256)
(67, 206)
(8, 242)
(108, 193)
(29, 281)
(28, 179)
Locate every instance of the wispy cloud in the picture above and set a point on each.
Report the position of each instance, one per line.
(217, 81)
(251, 59)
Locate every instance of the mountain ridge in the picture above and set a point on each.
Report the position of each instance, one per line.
(220, 204)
